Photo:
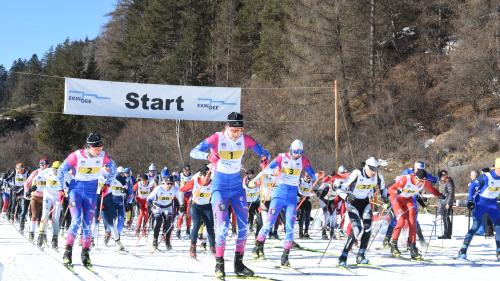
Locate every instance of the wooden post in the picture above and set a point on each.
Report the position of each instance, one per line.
(335, 92)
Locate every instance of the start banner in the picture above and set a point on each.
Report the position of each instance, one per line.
(121, 99)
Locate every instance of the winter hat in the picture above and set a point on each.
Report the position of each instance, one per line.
(235, 119)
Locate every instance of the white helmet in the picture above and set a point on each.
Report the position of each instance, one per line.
(119, 169)
(152, 167)
(419, 165)
(297, 146)
(372, 164)
(342, 169)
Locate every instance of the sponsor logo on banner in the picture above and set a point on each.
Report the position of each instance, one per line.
(211, 104)
(83, 97)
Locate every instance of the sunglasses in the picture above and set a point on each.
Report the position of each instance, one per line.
(297, 151)
(169, 183)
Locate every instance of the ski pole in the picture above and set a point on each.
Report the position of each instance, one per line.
(99, 219)
(324, 252)
(432, 231)
(378, 230)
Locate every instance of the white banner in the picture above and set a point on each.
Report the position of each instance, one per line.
(121, 99)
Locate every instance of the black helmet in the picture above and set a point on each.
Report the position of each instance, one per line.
(204, 169)
(94, 139)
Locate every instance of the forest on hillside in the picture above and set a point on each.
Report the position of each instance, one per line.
(418, 79)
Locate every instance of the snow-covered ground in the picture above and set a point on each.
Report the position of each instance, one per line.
(20, 260)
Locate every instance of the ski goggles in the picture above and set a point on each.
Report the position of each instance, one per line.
(297, 151)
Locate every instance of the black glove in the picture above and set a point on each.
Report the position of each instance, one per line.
(350, 198)
(182, 209)
(470, 205)
(442, 196)
(33, 188)
(128, 207)
(399, 191)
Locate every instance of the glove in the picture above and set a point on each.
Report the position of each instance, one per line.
(33, 188)
(399, 191)
(213, 157)
(350, 198)
(251, 184)
(105, 188)
(386, 206)
(470, 205)
(264, 162)
(442, 196)
(182, 209)
(128, 207)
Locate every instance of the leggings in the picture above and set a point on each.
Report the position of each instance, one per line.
(405, 212)
(185, 215)
(277, 204)
(6, 201)
(142, 218)
(82, 207)
(113, 209)
(305, 215)
(360, 215)
(55, 205)
(220, 206)
(490, 208)
(202, 214)
(163, 220)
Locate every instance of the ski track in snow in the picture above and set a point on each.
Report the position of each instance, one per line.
(21, 260)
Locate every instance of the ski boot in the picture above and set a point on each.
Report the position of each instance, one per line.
(107, 236)
(192, 251)
(284, 258)
(31, 236)
(343, 259)
(323, 234)
(332, 234)
(188, 232)
(68, 255)
(155, 243)
(341, 233)
(258, 250)
(41, 239)
(119, 244)
(178, 234)
(203, 246)
(306, 235)
(168, 245)
(239, 268)
(301, 233)
(462, 254)
(498, 256)
(414, 253)
(219, 268)
(387, 241)
(394, 248)
(55, 242)
(86, 257)
(360, 258)
(296, 245)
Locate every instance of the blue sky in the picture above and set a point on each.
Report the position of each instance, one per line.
(31, 26)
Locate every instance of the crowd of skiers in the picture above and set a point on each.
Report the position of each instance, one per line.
(88, 188)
